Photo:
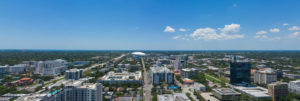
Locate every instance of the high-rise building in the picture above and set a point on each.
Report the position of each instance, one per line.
(74, 90)
(265, 76)
(176, 64)
(160, 74)
(179, 61)
(73, 74)
(294, 87)
(240, 72)
(277, 90)
(78, 90)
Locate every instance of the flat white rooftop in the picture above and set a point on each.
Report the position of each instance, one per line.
(257, 92)
(122, 76)
(166, 97)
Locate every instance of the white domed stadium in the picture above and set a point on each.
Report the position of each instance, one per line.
(138, 54)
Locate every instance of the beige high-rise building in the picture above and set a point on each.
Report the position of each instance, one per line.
(277, 90)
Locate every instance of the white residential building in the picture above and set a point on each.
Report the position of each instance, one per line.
(16, 69)
(51, 67)
(74, 90)
(294, 86)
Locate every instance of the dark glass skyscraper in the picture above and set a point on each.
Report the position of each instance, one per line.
(240, 73)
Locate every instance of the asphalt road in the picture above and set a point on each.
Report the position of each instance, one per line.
(147, 84)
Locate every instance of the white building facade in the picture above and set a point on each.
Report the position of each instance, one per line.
(294, 87)
(265, 76)
(51, 67)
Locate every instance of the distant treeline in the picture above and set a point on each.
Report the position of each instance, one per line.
(11, 57)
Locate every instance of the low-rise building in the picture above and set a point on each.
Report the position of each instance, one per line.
(181, 97)
(277, 90)
(108, 96)
(226, 94)
(127, 98)
(294, 87)
(80, 63)
(209, 96)
(199, 87)
(121, 78)
(165, 97)
(188, 81)
(291, 76)
(8, 96)
(25, 81)
(255, 92)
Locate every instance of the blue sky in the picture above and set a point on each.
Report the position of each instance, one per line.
(150, 24)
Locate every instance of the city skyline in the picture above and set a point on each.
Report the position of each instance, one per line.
(150, 25)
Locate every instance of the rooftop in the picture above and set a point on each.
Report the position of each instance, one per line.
(89, 85)
(189, 69)
(258, 92)
(209, 97)
(158, 69)
(73, 70)
(166, 97)
(226, 91)
(181, 97)
(122, 76)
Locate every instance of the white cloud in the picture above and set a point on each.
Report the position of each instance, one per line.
(261, 36)
(230, 28)
(185, 39)
(262, 32)
(226, 33)
(169, 29)
(285, 24)
(265, 37)
(176, 37)
(182, 29)
(293, 35)
(294, 28)
(275, 30)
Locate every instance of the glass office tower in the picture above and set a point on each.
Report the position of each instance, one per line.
(240, 73)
